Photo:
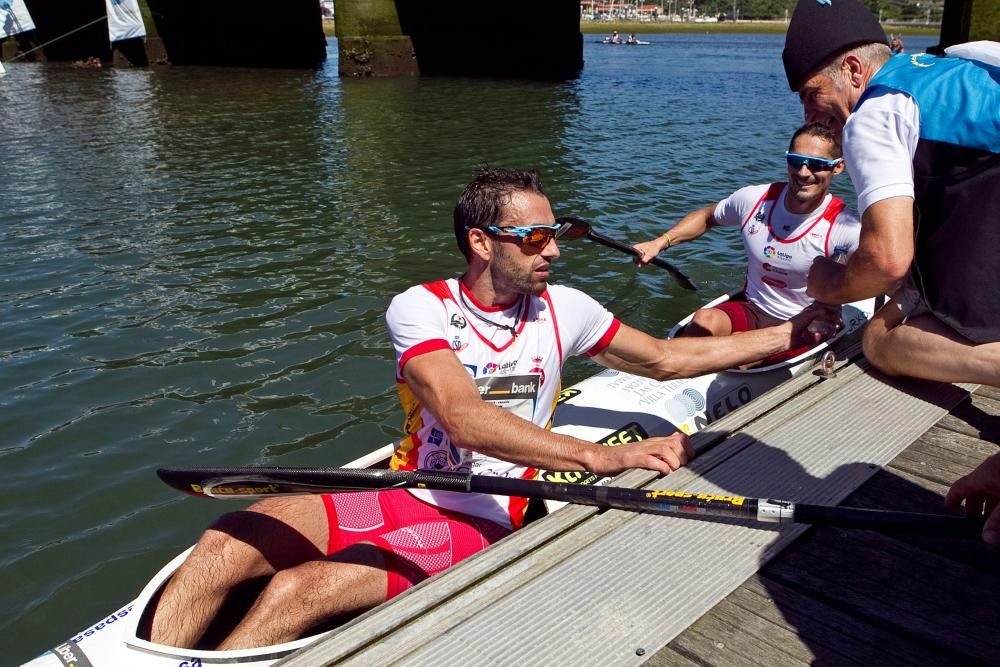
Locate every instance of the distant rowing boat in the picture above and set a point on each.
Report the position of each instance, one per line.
(607, 40)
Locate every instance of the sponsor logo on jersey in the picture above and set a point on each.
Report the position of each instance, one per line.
(773, 282)
(471, 368)
(458, 344)
(760, 214)
(753, 228)
(505, 367)
(773, 253)
(541, 374)
(436, 460)
(458, 321)
(767, 266)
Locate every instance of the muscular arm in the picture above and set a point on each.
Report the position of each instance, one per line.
(636, 352)
(444, 388)
(883, 257)
(690, 227)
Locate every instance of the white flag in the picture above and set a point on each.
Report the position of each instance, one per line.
(124, 19)
(14, 18)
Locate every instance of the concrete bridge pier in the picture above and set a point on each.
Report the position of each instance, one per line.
(457, 37)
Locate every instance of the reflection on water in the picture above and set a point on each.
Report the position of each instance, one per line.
(195, 264)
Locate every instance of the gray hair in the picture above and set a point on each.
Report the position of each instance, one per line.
(873, 55)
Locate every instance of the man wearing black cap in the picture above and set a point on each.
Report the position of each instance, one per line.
(921, 137)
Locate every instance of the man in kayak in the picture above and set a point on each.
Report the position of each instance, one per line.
(921, 137)
(478, 366)
(784, 226)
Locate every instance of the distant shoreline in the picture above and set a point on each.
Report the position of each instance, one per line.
(660, 27)
(749, 27)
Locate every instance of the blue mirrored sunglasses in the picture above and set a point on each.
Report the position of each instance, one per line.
(537, 235)
(795, 161)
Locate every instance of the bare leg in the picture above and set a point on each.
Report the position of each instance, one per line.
(923, 347)
(271, 535)
(708, 322)
(299, 598)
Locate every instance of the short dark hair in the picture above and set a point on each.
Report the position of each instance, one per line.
(820, 131)
(484, 200)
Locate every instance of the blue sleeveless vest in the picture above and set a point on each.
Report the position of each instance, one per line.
(956, 172)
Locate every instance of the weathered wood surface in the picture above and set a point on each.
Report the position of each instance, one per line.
(857, 597)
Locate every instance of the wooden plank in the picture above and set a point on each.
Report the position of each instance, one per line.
(978, 417)
(825, 628)
(989, 392)
(893, 489)
(668, 657)
(960, 451)
(923, 461)
(714, 642)
(890, 590)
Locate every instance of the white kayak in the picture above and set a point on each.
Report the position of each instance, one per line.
(610, 407)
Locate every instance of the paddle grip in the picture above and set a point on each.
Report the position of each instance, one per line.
(888, 521)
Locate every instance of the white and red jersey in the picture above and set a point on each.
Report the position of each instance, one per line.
(781, 246)
(519, 373)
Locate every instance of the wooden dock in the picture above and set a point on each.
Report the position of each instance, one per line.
(619, 588)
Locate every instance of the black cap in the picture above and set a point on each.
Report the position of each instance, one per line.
(821, 29)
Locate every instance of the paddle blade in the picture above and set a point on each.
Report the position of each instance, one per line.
(681, 279)
(251, 482)
(572, 229)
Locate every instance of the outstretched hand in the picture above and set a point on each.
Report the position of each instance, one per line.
(662, 454)
(816, 323)
(980, 490)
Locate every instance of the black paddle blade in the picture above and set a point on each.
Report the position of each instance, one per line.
(572, 229)
(251, 482)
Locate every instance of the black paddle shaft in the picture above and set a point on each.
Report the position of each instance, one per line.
(682, 279)
(258, 482)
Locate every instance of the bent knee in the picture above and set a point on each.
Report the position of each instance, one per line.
(876, 344)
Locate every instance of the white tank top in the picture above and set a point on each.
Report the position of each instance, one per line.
(781, 246)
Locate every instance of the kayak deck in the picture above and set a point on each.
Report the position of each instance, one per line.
(589, 587)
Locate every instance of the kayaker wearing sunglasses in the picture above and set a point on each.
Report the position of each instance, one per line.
(921, 136)
(478, 369)
(784, 227)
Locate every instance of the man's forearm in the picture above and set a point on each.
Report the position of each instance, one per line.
(859, 279)
(690, 357)
(495, 432)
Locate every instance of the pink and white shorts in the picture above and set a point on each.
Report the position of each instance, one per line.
(417, 539)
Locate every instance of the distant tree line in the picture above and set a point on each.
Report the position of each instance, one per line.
(889, 10)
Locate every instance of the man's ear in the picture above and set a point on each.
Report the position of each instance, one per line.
(480, 243)
(854, 71)
(839, 167)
